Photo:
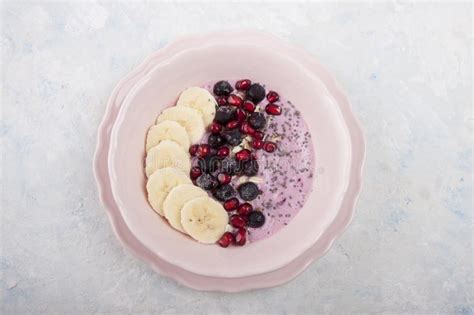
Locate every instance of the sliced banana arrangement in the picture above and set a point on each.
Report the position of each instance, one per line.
(171, 193)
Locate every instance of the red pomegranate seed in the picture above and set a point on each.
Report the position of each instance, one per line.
(273, 109)
(223, 152)
(193, 149)
(224, 178)
(242, 155)
(258, 135)
(273, 96)
(269, 146)
(231, 204)
(249, 106)
(240, 237)
(257, 144)
(226, 239)
(237, 221)
(195, 172)
(215, 127)
(235, 100)
(203, 150)
(233, 124)
(222, 100)
(245, 209)
(243, 85)
(246, 128)
(241, 115)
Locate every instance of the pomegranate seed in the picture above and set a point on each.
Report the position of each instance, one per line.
(223, 152)
(273, 109)
(269, 146)
(243, 85)
(258, 135)
(193, 149)
(226, 239)
(195, 172)
(233, 124)
(249, 106)
(246, 128)
(237, 221)
(203, 150)
(244, 209)
(235, 100)
(273, 96)
(215, 127)
(241, 115)
(242, 155)
(222, 100)
(224, 178)
(240, 237)
(231, 204)
(257, 144)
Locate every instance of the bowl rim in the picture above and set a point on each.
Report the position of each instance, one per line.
(357, 140)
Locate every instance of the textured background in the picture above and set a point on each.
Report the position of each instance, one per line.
(407, 68)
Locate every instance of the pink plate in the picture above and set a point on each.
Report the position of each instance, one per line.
(138, 99)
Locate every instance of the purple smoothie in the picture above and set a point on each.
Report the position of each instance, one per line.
(285, 176)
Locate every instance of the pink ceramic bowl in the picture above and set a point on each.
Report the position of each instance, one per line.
(334, 131)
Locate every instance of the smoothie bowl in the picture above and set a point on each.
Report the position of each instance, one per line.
(266, 162)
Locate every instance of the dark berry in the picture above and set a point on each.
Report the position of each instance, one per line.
(242, 155)
(246, 128)
(222, 100)
(225, 114)
(232, 136)
(250, 168)
(273, 96)
(209, 164)
(256, 219)
(195, 172)
(248, 191)
(249, 106)
(256, 93)
(232, 124)
(229, 165)
(242, 85)
(245, 209)
(215, 140)
(215, 128)
(224, 178)
(237, 221)
(240, 237)
(193, 149)
(223, 88)
(257, 120)
(226, 239)
(224, 192)
(235, 100)
(207, 182)
(203, 150)
(257, 144)
(231, 204)
(269, 146)
(258, 135)
(273, 109)
(222, 152)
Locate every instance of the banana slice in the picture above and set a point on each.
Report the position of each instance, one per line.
(189, 118)
(167, 153)
(204, 219)
(201, 100)
(175, 201)
(167, 130)
(161, 183)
